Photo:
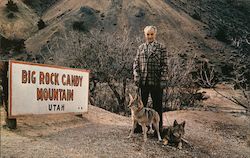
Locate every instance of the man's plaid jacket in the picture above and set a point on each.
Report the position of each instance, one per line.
(150, 65)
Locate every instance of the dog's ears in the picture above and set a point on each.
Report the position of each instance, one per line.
(136, 97)
(140, 102)
(183, 124)
(175, 123)
(130, 97)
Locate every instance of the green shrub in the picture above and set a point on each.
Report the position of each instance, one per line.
(11, 6)
(79, 26)
(41, 24)
(196, 16)
(221, 34)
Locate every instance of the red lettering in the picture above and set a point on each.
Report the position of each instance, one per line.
(41, 78)
(33, 78)
(39, 95)
(70, 95)
(45, 94)
(51, 78)
(63, 81)
(47, 78)
(68, 80)
(56, 79)
(24, 76)
(28, 76)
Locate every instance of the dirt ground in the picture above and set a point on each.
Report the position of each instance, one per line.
(211, 131)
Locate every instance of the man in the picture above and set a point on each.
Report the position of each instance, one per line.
(149, 69)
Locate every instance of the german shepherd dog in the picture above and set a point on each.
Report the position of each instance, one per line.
(172, 135)
(144, 117)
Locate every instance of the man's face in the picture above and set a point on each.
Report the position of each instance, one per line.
(150, 35)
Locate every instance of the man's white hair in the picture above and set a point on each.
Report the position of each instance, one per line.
(147, 28)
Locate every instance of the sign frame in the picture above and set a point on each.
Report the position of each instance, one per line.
(10, 87)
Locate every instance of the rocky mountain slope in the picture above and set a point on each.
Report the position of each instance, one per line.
(185, 27)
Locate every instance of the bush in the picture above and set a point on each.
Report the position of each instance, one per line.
(19, 45)
(79, 26)
(109, 56)
(87, 10)
(226, 69)
(12, 44)
(11, 6)
(196, 16)
(221, 34)
(40, 6)
(41, 24)
(10, 15)
(181, 88)
(140, 13)
(205, 75)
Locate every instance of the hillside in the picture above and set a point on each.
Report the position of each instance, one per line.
(40, 6)
(23, 23)
(185, 27)
(232, 15)
(215, 127)
(177, 29)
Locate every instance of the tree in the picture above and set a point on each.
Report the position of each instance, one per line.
(181, 87)
(240, 82)
(109, 56)
(205, 75)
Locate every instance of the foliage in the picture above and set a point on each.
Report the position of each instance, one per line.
(15, 44)
(79, 26)
(222, 34)
(205, 75)
(108, 56)
(181, 87)
(41, 24)
(11, 6)
(241, 84)
(196, 15)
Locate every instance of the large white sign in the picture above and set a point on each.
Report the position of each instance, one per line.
(46, 89)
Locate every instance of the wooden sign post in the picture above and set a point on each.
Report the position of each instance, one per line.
(10, 122)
